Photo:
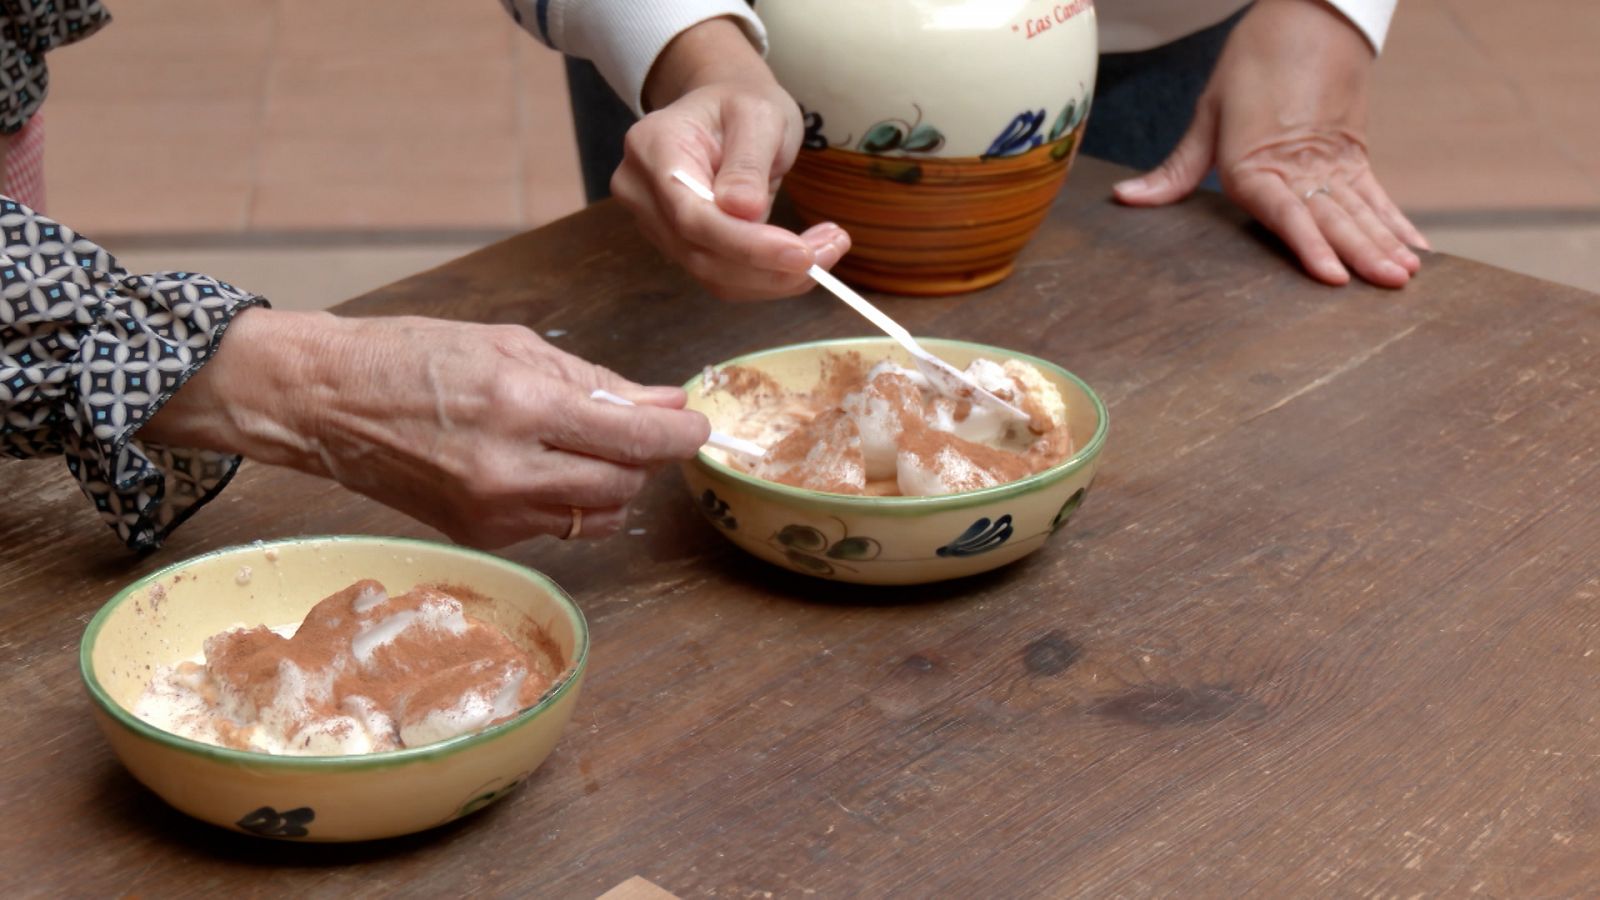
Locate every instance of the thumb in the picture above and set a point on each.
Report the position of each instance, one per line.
(1183, 169)
(751, 141)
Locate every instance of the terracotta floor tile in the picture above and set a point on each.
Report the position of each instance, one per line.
(355, 29)
(141, 76)
(1492, 167)
(1525, 37)
(184, 12)
(1453, 126)
(551, 192)
(547, 148)
(386, 159)
(398, 77)
(396, 96)
(300, 277)
(133, 31)
(198, 159)
(423, 204)
(143, 206)
(396, 117)
(541, 82)
(91, 118)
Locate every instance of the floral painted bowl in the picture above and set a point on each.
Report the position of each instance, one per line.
(937, 132)
(891, 540)
(164, 618)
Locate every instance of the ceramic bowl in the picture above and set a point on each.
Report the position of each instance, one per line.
(937, 132)
(891, 540)
(164, 618)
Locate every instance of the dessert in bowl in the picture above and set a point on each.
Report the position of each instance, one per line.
(458, 755)
(960, 493)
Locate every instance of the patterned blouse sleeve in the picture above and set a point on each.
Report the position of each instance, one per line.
(88, 353)
(28, 29)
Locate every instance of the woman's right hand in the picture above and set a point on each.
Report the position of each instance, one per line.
(485, 432)
(722, 117)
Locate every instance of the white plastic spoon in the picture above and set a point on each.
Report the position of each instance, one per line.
(945, 378)
(719, 440)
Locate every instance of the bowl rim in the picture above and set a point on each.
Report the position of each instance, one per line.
(349, 762)
(911, 506)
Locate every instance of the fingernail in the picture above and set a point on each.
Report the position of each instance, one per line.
(794, 259)
(1132, 186)
(1390, 269)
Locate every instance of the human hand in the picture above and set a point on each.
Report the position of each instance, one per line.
(485, 432)
(1283, 120)
(721, 117)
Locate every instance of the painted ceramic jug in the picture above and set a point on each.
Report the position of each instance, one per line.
(938, 132)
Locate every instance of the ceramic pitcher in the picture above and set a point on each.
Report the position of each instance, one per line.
(937, 132)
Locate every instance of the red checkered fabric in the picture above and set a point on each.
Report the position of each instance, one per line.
(24, 170)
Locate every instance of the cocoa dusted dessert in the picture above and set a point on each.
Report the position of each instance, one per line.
(363, 673)
(881, 429)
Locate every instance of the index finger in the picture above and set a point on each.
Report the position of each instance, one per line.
(705, 224)
(629, 435)
(753, 136)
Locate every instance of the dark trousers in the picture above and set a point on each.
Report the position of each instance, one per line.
(1143, 102)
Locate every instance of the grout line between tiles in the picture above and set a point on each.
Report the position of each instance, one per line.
(274, 40)
(519, 94)
(1550, 137)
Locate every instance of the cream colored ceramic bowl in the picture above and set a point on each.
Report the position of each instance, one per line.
(892, 540)
(164, 618)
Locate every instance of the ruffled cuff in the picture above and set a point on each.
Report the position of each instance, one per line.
(28, 30)
(89, 353)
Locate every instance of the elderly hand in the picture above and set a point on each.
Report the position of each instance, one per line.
(1283, 120)
(721, 117)
(484, 432)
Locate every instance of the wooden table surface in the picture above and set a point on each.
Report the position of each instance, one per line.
(1328, 622)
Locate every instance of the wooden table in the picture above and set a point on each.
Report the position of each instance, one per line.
(1328, 623)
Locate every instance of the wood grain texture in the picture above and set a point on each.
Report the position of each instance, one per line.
(1328, 623)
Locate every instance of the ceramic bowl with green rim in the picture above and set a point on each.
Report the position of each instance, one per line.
(891, 540)
(166, 616)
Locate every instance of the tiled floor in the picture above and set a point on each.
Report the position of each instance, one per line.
(1481, 104)
(187, 116)
(187, 122)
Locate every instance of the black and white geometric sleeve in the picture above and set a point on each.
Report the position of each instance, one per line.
(88, 353)
(28, 30)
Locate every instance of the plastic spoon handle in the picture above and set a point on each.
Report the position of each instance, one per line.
(719, 440)
(863, 306)
(946, 379)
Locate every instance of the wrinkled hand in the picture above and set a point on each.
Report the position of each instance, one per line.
(485, 432)
(1283, 120)
(725, 120)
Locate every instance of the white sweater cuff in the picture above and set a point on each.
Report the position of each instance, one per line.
(1371, 17)
(623, 38)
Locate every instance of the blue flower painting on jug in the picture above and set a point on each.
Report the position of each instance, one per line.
(1025, 131)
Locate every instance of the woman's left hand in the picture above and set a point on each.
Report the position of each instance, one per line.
(1283, 120)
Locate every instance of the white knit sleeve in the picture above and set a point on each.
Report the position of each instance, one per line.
(1372, 17)
(624, 37)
